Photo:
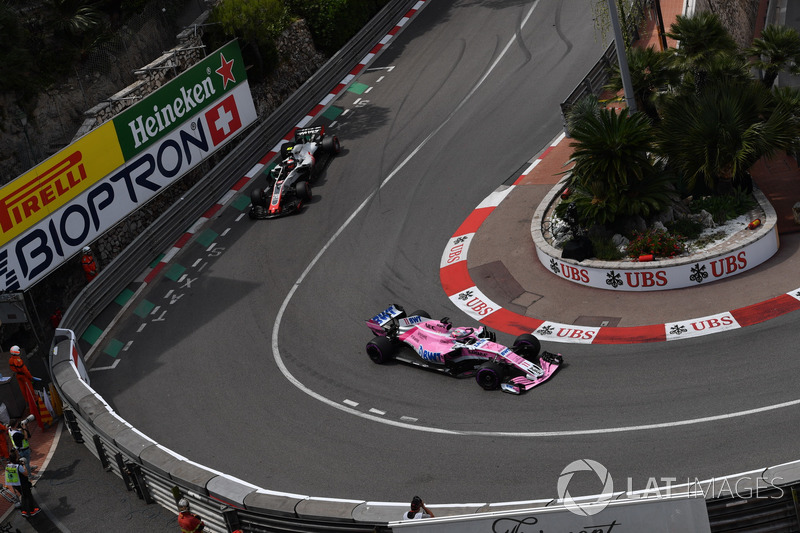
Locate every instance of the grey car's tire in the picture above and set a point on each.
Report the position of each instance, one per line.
(258, 197)
(330, 145)
(303, 191)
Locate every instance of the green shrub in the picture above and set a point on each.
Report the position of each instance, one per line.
(691, 229)
(258, 23)
(605, 250)
(659, 243)
(724, 207)
(334, 22)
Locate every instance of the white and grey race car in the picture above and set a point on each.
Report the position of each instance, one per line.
(289, 182)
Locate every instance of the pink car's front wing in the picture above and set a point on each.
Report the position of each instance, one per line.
(523, 383)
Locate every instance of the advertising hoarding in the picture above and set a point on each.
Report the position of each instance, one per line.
(655, 515)
(65, 203)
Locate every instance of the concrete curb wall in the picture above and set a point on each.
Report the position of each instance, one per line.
(747, 239)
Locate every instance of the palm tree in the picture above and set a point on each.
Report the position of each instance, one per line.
(587, 106)
(715, 138)
(788, 97)
(703, 39)
(613, 169)
(74, 17)
(650, 71)
(777, 49)
(723, 68)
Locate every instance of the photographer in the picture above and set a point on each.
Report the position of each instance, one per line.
(20, 435)
(418, 510)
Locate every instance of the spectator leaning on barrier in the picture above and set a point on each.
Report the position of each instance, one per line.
(188, 521)
(418, 510)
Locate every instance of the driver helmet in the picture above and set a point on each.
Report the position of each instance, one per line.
(87, 250)
(14, 350)
(291, 163)
(458, 333)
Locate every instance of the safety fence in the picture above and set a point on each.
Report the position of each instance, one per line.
(597, 77)
(159, 475)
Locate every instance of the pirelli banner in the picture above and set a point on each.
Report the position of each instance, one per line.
(49, 213)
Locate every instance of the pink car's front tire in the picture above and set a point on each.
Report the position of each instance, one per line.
(490, 375)
(528, 347)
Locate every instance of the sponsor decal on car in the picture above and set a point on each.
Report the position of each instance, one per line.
(433, 357)
(385, 316)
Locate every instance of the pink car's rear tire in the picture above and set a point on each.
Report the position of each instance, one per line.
(381, 350)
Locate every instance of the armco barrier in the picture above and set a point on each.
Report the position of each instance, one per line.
(153, 472)
(227, 503)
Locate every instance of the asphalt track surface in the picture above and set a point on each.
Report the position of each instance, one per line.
(254, 364)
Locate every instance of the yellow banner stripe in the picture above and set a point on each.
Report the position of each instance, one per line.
(50, 185)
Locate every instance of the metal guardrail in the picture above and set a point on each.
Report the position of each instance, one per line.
(593, 82)
(600, 73)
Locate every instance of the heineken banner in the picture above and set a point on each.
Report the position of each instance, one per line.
(52, 211)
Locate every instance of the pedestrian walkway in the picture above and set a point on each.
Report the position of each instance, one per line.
(76, 495)
(41, 444)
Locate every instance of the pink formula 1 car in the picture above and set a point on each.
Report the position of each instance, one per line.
(459, 352)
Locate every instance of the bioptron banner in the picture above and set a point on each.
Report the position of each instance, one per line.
(53, 210)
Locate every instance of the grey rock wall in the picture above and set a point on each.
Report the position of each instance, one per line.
(738, 16)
